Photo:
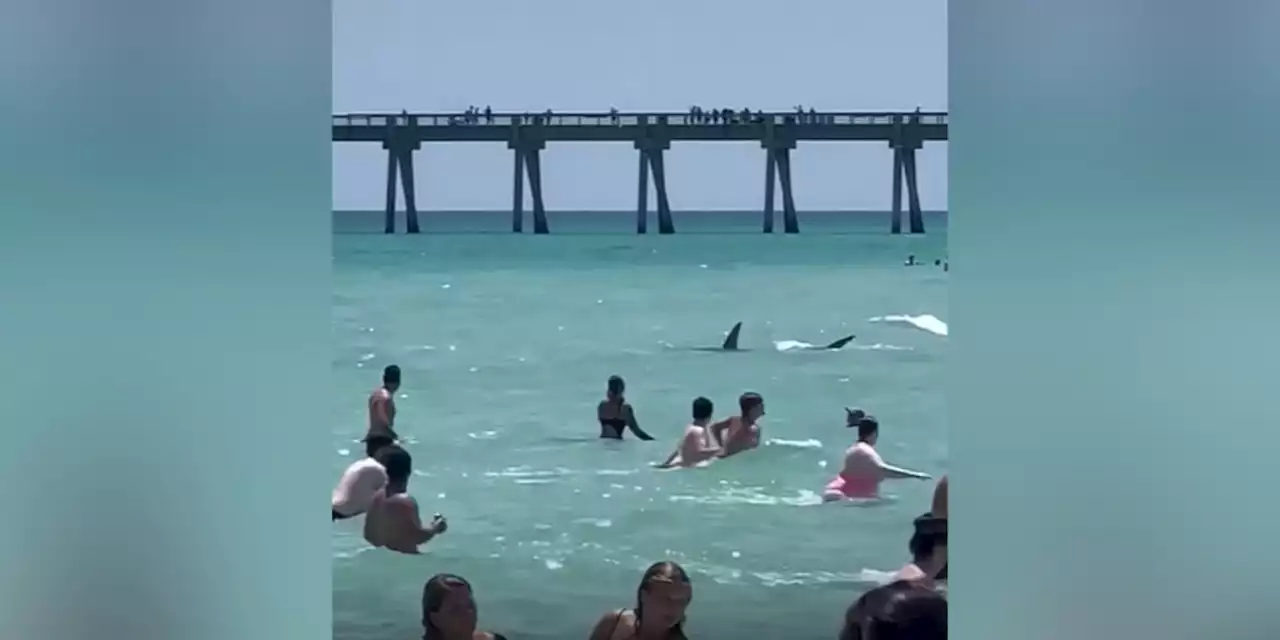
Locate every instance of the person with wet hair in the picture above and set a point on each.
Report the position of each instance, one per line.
(449, 610)
(662, 599)
(901, 610)
(615, 413)
(392, 520)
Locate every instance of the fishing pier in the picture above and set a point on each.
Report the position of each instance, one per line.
(651, 135)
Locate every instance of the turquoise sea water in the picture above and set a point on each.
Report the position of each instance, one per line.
(506, 342)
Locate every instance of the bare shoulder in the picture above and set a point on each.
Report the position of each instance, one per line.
(607, 623)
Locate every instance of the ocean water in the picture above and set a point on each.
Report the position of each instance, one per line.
(506, 342)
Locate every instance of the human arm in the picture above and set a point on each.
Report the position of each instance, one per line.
(889, 471)
(634, 426)
(670, 461)
(939, 509)
(418, 533)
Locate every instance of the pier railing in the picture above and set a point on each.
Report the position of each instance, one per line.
(632, 119)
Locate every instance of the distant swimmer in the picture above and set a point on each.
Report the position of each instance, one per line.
(361, 481)
(739, 433)
(615, 413)
(863, 469)
(928, 548)
(695, 446)
(731, 343)
(911, 261)
(393, 521)
(382, 405)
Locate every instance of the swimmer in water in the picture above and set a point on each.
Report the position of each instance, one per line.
(739, 433)
(863, 469)
(382, 405)
(393, 521)
(615, 413)
(695, 446)
(361, 481)
(661, 603)
(928, 547)
(449, 610)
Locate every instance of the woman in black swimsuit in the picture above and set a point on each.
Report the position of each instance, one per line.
(615, 413)
(449, 611)
(661, 602)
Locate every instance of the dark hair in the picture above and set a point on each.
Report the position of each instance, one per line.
(665, 571)
(867, 427)
(930, 532)
(910, 614)
(434, 594)
(617, 385)
(702, 408)
(900, 610)
(749, 401)
(373, 444)
(397, 462)
(391, 374)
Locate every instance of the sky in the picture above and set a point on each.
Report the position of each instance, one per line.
(659, 55)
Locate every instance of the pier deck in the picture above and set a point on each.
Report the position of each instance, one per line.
(527, 134)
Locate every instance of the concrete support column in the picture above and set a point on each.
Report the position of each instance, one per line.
(778, 146)
(652, 150)
(527, 148)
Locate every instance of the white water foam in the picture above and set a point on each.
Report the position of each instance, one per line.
(925, 322)
(794, 444)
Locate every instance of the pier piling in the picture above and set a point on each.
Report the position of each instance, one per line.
(528, 155)
(778, 163)
(652, 161)
(402, 134)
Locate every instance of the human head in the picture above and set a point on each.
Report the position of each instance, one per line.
(391, 377)
(752, 406)
(616, 387)
(373, 444)
(397, 462)
(917, 613)
(663, 597)
(868, 429)
(900, 610)
(448, 608)
(928, 544)
(702, 408)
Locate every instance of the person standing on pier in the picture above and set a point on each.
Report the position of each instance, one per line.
(382, 406)
(615, 413)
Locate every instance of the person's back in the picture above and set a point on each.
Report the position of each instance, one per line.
(696, 445)
(863, 469)
(382, 405)
(357, 487)
(392, 520)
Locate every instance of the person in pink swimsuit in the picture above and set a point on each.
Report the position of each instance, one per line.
(863, 469)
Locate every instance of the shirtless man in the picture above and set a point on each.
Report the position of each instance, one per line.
(928, 552)
(361, 481)
(694, 447)
(740, 433)
(392, 520)
(863, 468)
(382, 405)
